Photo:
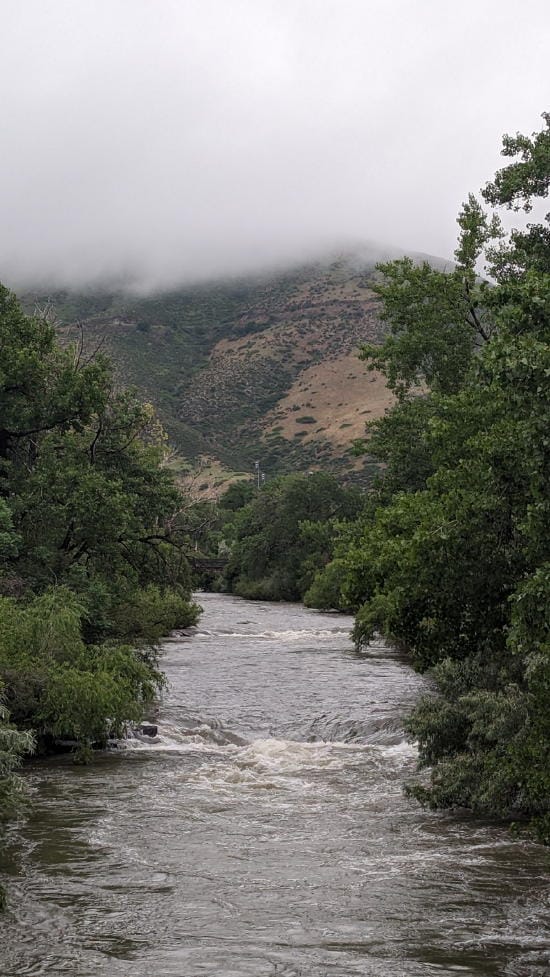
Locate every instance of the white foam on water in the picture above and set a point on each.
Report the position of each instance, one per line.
(269, 757)
(286, 765)
(304, 634)
(399, 750)
(170, 739)
(288, 756)
(164, 745)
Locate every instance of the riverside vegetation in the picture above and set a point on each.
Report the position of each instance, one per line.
(449, 557)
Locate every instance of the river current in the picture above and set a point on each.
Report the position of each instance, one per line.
(265, 832)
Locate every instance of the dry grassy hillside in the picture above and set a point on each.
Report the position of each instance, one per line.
(294, 388)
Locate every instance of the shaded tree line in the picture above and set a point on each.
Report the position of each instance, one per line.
(451, 559)
(279, 536)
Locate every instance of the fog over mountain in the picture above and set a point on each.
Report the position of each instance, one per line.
(161, 142)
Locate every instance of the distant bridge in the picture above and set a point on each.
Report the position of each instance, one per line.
(205, 564)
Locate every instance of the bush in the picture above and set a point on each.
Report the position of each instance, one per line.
(58, 685)
(325, 592)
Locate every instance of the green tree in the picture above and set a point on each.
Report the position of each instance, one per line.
(92, 538)
(279, 540)
(453, 562)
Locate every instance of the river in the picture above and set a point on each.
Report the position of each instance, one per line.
(266, 833)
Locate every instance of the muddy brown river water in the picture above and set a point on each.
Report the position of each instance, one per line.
(265, 833)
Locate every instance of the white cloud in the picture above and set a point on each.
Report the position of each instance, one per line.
(166, 140)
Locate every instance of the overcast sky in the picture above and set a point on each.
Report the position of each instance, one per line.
(168, 140)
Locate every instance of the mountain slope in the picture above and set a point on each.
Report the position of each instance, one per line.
(264, 367)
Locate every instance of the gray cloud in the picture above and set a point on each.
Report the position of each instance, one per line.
(168, 140)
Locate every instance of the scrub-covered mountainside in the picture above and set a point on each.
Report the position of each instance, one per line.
(259, 368)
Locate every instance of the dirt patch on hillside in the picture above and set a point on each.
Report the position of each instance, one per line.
(331, 400)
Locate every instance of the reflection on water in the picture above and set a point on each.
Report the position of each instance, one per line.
(266, 832)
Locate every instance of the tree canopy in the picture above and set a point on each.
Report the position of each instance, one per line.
(453, 562)
(91, 567)
(280, 538)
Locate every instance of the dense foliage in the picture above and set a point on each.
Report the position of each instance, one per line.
(452, 562)
(91, 571)
(287, 530)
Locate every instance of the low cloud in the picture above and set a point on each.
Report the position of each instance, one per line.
(154, 143)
